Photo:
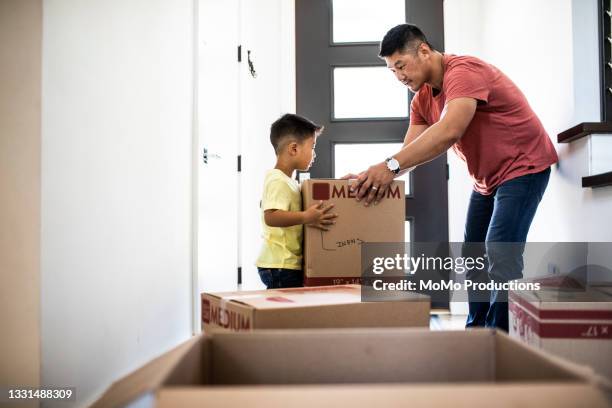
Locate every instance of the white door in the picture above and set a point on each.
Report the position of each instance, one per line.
(218, 126)
(267, 32)
(235, 110)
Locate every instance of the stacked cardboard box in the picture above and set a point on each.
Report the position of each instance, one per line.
(575, 323)
(357, 368)
(316, 307)
(334, 257)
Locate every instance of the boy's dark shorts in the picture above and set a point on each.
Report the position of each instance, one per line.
(275, 278)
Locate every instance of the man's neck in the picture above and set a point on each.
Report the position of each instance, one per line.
(437, 71)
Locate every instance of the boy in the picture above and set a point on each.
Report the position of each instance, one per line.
(280, 261)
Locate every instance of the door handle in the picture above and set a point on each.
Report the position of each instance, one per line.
(206, 155)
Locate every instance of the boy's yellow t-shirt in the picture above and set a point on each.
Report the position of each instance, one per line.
(282, 247)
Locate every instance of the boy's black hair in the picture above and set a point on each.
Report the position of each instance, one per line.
(292, 126)
(400, 38)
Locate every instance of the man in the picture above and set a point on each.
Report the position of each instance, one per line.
(470, 106)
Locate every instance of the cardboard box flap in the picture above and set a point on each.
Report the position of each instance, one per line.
(323, 367)
(237, 295)
(547, 363)
(605, 287)
(591, 299)
(384, 356)
(148, 378)
(513, 364)
(295, 297)
(376, 395)
(575, 296)
(350, 315)
(350, 356)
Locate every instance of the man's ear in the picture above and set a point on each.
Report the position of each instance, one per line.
(424, 51)
(292, 148)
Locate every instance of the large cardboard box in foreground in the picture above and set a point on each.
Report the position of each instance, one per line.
(316, 307)
(358, 368)
(334, 257)
(575, 324)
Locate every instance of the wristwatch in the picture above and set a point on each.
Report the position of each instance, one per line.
(393, 165)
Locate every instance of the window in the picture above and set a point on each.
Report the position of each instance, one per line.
(408, 233)
(368, 92)
(359, 21)
(352, 157)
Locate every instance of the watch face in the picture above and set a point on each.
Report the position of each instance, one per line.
(393, 165)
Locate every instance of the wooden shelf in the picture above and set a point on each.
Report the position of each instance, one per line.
(598, 180)
(582, 130)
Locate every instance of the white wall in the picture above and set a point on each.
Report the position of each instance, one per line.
(116, 187)
(462, 36)
(549, 48)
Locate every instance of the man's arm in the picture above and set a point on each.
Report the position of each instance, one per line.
(426, 146)
(439, 137)
(413, 132)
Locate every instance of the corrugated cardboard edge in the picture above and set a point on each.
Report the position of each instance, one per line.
(148, 378)
(583, 371)
(457, 395)
(345, 316)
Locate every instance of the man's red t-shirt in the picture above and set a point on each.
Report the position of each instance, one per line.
(505, 139)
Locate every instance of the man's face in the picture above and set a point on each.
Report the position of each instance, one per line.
(410, 67)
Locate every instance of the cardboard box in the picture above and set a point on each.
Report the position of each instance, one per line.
(572, 323)
(334, 257)
(316, 307)
(358, 368)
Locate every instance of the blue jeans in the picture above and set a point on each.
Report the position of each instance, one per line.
(502, 217)
(275, 278)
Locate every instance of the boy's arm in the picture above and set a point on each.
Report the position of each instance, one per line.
(280, 218)
(317, 216)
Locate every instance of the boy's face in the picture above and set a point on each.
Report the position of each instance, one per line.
(306, 153)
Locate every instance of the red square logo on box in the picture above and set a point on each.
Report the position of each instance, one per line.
(205, 311)
(320, 191)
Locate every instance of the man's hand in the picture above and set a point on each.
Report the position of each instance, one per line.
(350, 176)
(373, 183)
(318, 216)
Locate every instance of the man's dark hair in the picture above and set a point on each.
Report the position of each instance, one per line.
(291, 126)
(400, 38)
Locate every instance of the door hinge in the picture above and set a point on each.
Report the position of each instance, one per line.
(240, 53)
(447, 171)
(239, 163)
(240, 275)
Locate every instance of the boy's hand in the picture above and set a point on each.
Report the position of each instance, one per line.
(318, 216)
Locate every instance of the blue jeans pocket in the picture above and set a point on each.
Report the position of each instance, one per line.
(266, 277)
(281, 278)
